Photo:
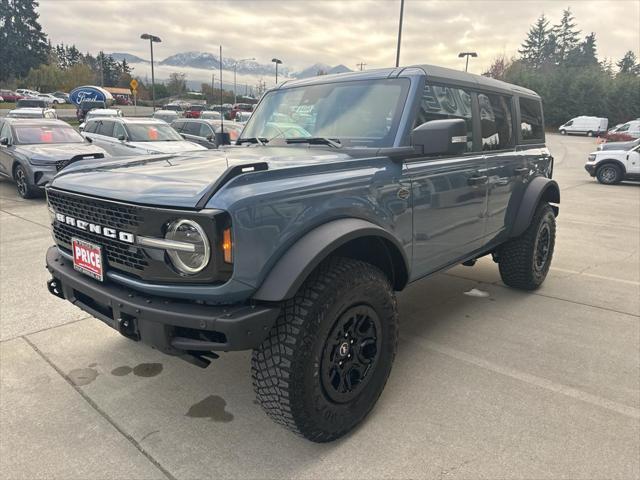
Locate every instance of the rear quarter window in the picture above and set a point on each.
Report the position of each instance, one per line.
(531, 120)
(495, 121)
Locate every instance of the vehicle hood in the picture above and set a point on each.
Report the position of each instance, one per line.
(59, 151)
(179, 180)
(167, 147)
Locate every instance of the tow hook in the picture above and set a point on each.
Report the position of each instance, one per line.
(54, 288)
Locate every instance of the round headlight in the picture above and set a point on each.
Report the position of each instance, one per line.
(188, 232)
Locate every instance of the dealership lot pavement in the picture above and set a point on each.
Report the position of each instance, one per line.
(509, 385)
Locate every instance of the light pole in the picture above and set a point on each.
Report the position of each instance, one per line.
(399, 33)
(152, 39)
(361, 65)
(235, 100)
(277, 61)
(467, 54)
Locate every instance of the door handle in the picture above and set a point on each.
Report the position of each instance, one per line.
(521, 170)
(474, 181)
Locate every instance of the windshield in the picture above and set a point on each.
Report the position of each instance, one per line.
(152, 132)
(35, 134)
(359, 113)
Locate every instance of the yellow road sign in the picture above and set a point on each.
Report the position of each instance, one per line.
(133, 84)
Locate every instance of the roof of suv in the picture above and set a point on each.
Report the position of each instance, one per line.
(127, 120)
(34, 121)
(433, 72)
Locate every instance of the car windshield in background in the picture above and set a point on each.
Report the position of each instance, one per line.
(31, 103)
(88, 104)
(152, 132)
(357, 113)
(36, 134)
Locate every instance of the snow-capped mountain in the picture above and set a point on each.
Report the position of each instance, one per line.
(128, 57)
(210, 61)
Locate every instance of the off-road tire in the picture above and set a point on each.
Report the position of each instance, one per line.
(287, 367)
(609, 174)
(23, 184)
(520, 260)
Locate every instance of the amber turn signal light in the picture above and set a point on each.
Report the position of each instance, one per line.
(227, 246)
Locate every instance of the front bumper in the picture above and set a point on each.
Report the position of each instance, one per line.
(591, 169)
(175, 327)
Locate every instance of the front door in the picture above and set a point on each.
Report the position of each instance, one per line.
(633, 161)
(449, 201)
(6, 159)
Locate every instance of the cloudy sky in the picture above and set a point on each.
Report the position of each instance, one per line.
(303, 32)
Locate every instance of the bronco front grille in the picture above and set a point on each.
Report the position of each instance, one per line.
(119, 255)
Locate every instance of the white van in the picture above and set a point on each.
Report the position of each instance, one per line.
(584, 125)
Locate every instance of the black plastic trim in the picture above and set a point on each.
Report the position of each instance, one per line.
(537, 188)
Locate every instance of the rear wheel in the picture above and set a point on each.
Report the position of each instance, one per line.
(524, 261)
(589, 133)
(24, 186)
(327, 359)
(609, 174)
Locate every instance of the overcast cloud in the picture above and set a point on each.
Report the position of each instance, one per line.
(303, 32)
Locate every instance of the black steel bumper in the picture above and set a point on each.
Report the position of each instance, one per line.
(591, 169)
(172, 326)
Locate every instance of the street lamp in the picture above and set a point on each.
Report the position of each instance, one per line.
(467, 54)
(277, 61)
(152, 39)
(235, 100)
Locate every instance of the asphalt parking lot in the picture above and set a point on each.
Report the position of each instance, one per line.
(508, 385)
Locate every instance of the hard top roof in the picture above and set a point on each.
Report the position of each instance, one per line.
(433, 72)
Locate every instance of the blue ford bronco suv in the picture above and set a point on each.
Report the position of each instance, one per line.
(341, 190)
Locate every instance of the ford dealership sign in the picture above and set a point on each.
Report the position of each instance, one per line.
(89, 92)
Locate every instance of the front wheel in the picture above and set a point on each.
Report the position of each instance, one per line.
(524, 261)
(609, 174)
(563, 132)
(24, 186)
(327, 359)
(589, 133)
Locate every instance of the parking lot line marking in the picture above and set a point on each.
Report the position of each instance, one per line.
(101, 412)
(45, 329)
(48, 227)
(593, 275)
(550, 385)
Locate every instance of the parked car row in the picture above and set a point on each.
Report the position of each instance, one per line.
(614, 162)
(50, 98)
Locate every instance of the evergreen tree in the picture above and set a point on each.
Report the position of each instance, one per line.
(629, 64)
(533, 49)
(566, 34)
(23, 44)
(588, 49)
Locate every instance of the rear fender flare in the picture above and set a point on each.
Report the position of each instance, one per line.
(539, 189)
(296, 264)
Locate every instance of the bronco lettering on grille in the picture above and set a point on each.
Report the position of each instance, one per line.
(95, 228)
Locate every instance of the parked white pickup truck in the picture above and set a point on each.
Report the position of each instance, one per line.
(613, 166)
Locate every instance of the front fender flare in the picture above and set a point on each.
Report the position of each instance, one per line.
(297, 263)
(539, 189)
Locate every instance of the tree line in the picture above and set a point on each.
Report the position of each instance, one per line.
(564, 69)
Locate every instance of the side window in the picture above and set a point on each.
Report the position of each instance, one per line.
(439, 103)
(191, 128)
(205, 130)
(624, 127)
(531, 122)
(118, 130)
(568, 124)
(495, 121)
(105, 128)
(5, 131)
(91, 126)
(178, 126)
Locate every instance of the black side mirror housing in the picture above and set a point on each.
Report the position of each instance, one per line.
(223, 138)
(88, 139)
(4, 141)
(210, 138)
(122, 137)
(440, 137)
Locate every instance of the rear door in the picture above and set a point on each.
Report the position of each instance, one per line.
(506, 168)
(102, 135)
(449, 193)
(6, 158)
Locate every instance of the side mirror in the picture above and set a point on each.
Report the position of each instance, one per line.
(4, 141)
(440, 137)
(210, 138)
(122, 137)
(223, 138)
(89, 139)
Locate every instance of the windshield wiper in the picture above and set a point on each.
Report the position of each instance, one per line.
(332, 142)
(258, 140)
